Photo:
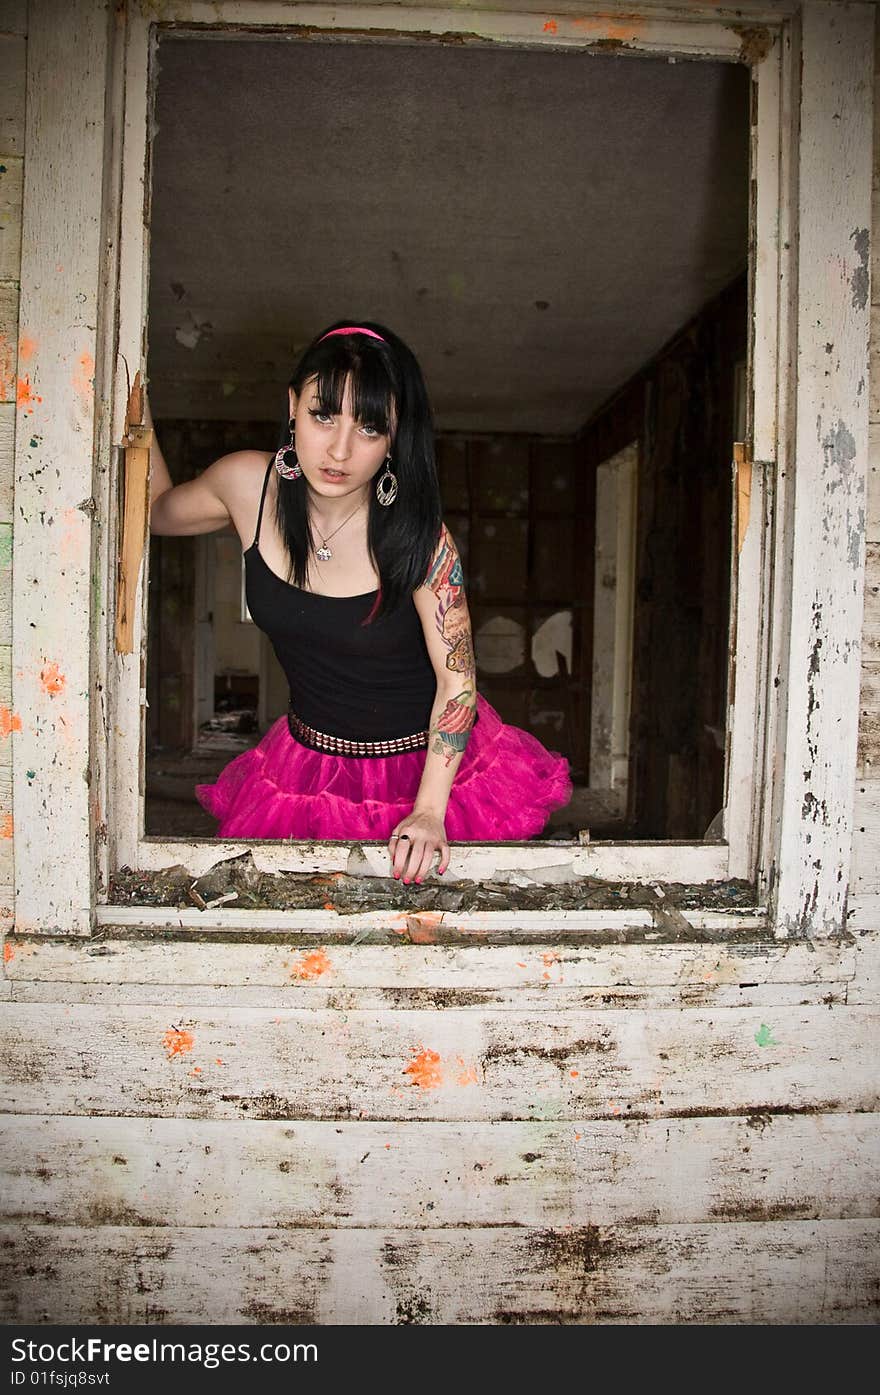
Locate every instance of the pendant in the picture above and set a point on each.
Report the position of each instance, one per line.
(323, 553)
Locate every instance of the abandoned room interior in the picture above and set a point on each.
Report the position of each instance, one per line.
(562, 237)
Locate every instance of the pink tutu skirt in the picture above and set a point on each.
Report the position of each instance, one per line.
(506, 787)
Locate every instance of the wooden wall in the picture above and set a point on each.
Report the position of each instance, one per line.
(680, 409)
(864, 899)
(12, 106)
(423, 1133)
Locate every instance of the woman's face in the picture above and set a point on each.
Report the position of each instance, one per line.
(338, 455)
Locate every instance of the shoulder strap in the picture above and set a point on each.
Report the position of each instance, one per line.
(262, 502)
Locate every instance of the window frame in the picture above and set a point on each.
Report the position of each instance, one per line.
(771, 834)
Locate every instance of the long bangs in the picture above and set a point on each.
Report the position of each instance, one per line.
(373, 391)
(388, 393)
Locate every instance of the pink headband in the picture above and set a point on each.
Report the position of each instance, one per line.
(352, 329)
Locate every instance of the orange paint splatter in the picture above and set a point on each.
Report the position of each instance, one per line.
(311, 965)
(422, 927)
(8, 952)
(468, 1075)
(549, 958)
(6, 826)
(425, 1070)
(52, 680)
(578, 1137)
(329, 906)
(196, 1070)
(606, 26)
(84, 379)
(520, 965)
(177, 1041)
(27, 347)
(614, 1107)
(550, 26)
(218, 1062)
(25, 396)
(9, 721)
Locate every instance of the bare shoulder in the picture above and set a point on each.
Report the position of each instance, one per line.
(238, 481)
(235, 476)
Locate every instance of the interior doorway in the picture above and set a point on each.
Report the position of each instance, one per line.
(567, 256)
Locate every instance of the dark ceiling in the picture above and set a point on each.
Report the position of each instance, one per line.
(535, 224)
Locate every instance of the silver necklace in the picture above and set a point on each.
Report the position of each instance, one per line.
(324, 553)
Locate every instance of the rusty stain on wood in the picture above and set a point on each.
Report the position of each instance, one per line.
(743, 466)
(756, 41)
(136, 443)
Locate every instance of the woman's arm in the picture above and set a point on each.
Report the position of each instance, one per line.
(442, 607)
(199, 505)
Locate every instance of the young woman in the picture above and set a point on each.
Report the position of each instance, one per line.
(351, 572)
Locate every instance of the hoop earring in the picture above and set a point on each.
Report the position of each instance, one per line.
(386, 485)
(286, 462)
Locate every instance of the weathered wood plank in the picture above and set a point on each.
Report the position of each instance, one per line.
(8, 342)
(863, 912)
(871, 623)
(778, 1272)
(175, 1172)
(275, 966)
(6, 826)
(11, 177)
(865, 866)
(424, 927)
(5, 584)
(763, 995)
(522, 864)
(864, 986)
(12, 93)
(7, 459)
(868, 753)
(872, 519)
(300, 1063)
(657, 31)
(61, 236)
(830, 461)
(750, 632)
(7, 716)
(126, 691)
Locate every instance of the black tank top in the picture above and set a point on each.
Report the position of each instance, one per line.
(360, 682)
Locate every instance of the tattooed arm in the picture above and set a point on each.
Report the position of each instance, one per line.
(442, 607)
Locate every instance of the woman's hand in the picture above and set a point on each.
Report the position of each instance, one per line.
(412, 846)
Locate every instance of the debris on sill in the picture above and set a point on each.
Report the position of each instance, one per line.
(238, 885)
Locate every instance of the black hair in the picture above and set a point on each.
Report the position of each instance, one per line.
(387, 392)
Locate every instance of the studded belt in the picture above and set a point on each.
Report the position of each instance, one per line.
(341, 746)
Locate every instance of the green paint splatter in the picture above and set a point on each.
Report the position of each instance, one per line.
(764, 1036)
(31, 774)
(35, 441)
